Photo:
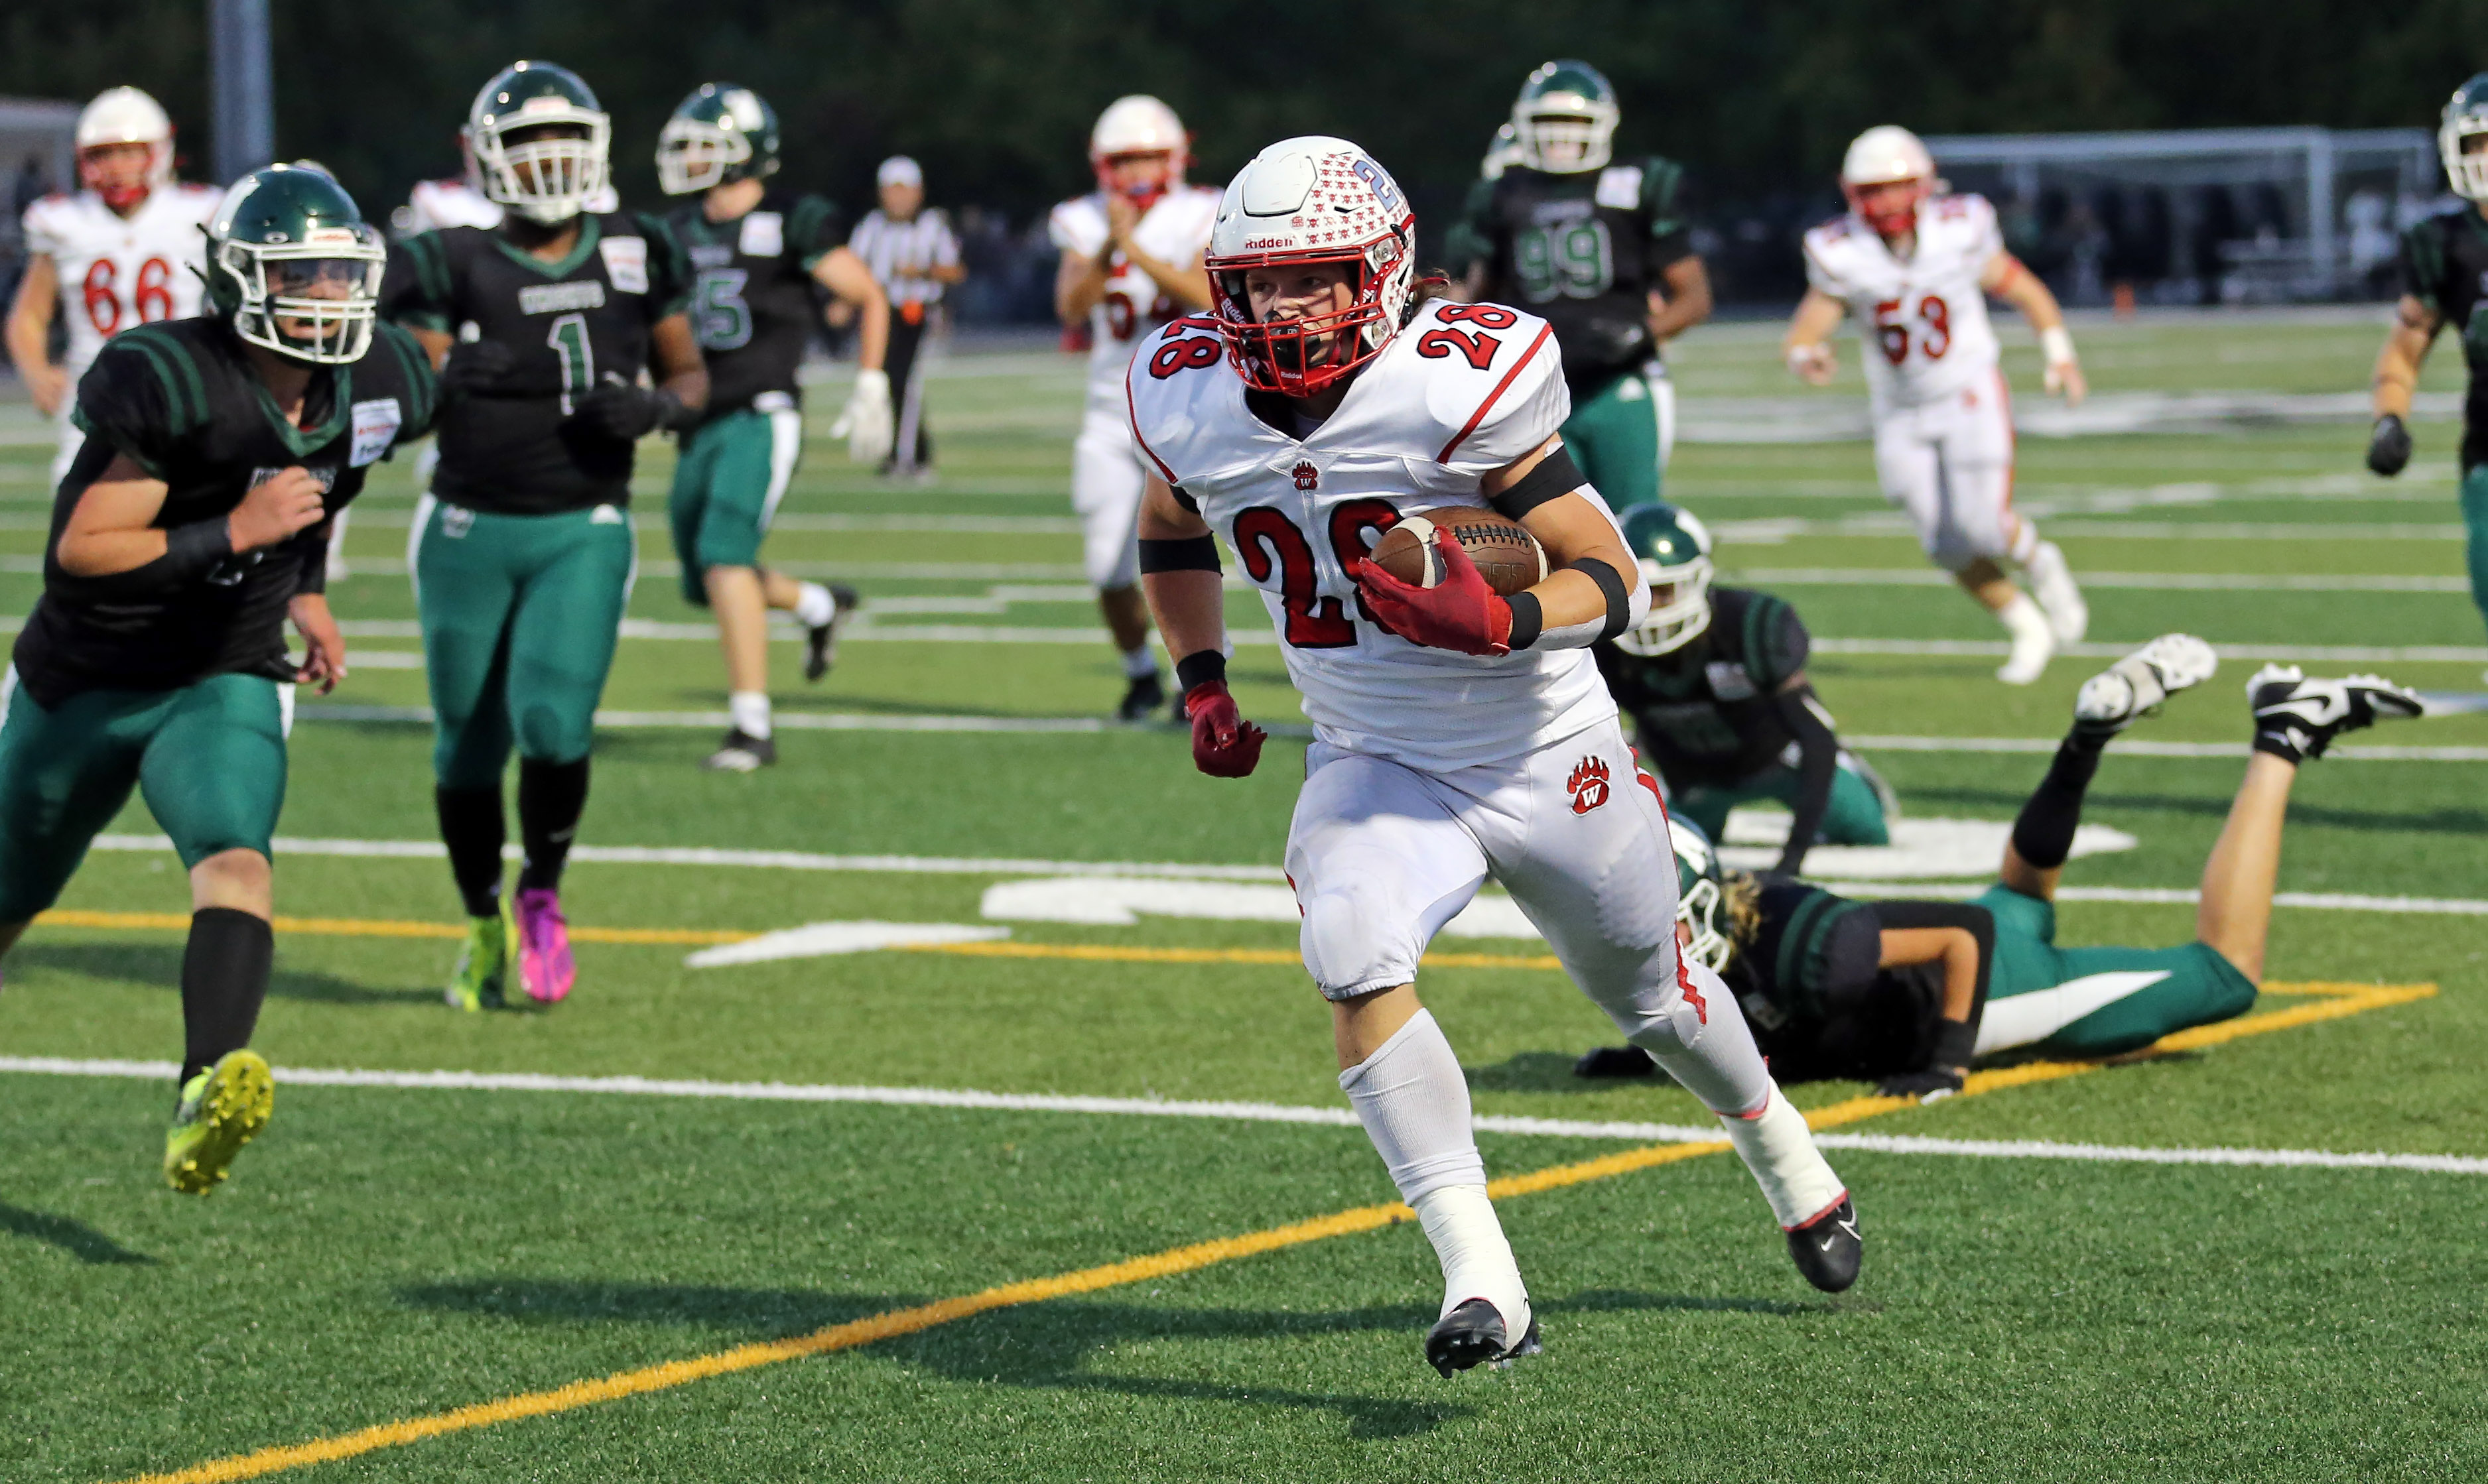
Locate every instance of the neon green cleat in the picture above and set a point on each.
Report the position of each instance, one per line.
(222, 1109)
(484, 964)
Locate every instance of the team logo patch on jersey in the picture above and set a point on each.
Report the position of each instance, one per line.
(376, 426)
(562, 299)
(1307, 476)
(626, 263)
(1588, 784)
(1620, 186)
(764, 234)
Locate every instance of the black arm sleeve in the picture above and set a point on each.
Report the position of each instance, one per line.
(1817, 762)
(311, 549)
(1551, 478)
(1184, 553)
(1979, 923)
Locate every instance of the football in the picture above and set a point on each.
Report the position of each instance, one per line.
(1506, 556)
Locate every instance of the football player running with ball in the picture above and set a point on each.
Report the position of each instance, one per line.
(757, 252)
(2445, 281)
(1602, 249)
(1457, 733)
(1714, 680)
(1908, 994)
(192, 524)
(523, 552)
(123, 251)
(1915, 265)
(1131, 260)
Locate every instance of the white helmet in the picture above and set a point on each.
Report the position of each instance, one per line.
(1307, 200)
(1140, 124)
(1887, 155)
(127, 116)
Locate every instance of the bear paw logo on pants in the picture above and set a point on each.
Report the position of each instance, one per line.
(1588, 784)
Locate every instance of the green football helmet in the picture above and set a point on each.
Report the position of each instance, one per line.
(1674, 549)
(1699, 900)
(722, 132)
(293, 268)
(1565, 119)
(541, 142)
(2465, 121)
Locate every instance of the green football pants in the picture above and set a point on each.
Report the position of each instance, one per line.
(2475, 516)
(1622, 435)
(209, 759)
(727, 483)
(520, 618)
(1853, 815)
(2095, 1001)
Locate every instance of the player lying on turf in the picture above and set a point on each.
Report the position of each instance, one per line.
(1914, 265)
(192, 525)
(523, 553)
(1714, 680)
(1908, 994)
(761, 253)
(1457, 732)
(2444, 282)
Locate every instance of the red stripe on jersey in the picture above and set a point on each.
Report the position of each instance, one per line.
(1479, 416)
(1131, 414)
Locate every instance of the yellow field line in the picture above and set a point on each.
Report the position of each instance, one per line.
(2343, 1000)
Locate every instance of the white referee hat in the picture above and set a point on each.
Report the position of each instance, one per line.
(899, 170)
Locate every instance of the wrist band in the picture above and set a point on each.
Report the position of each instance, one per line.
(193, 549)
(1200, 668)
(1612, 584)
(2056, 344)
(1528, 620)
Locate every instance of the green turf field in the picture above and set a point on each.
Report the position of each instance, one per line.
(393, 1251)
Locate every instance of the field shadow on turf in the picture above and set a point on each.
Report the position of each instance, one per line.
(72, 1236)
(158, 965)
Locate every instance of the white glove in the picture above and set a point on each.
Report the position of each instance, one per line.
(1813, 362)
(866, 422)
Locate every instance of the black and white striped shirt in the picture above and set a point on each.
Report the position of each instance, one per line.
(902, 254)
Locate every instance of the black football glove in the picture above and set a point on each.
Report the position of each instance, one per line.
(476, 368)
(1925, 1086)
(2389, 448)
(627, 412)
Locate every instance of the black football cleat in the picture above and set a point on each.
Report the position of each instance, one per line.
(740, 753)
(2296, 718)
(1828, 1249)
(1471, 1335)
(821, 640)
(1144, 696)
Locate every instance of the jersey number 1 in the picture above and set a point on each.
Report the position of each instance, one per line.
(568, 338)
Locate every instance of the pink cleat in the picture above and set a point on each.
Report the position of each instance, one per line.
(544, 965)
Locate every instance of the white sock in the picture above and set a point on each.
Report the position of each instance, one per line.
(813, 608)
(2022, 615)
(751, 711)
(1477, 1261)
(1138, 662)
(1778, 1148)
(1414, 1104)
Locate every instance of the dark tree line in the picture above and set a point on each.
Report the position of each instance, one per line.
(996, 99)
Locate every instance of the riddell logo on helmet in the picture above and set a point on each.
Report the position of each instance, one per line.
(1307, 476)
(1588, 784)
(1267, 242)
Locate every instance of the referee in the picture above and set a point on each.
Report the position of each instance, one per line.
(913, 255)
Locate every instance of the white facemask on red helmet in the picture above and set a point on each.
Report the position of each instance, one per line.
(124, 116)
(1887, 155)
(1139, 125)
(1312, 200)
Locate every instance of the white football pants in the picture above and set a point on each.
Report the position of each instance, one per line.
(1949, 463)
(1382, 855)
(1106, 475)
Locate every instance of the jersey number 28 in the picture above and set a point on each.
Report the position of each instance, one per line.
(1267, 540)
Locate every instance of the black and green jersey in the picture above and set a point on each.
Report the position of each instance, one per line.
(1813, 992)
(1704, 713)
(515, 450)
(1584, 250)
(2444, 267)
(184, 402)
(751, 304)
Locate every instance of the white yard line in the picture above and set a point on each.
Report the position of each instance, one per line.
(1247, 1112)
(2148, 581)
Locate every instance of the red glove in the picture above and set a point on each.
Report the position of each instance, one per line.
(1460, 613)
(1223, 745)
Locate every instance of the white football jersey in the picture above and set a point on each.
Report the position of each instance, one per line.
(117, 272)
(1923, 319)
(1464, 390)
(451, 203)
(1174, 231)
